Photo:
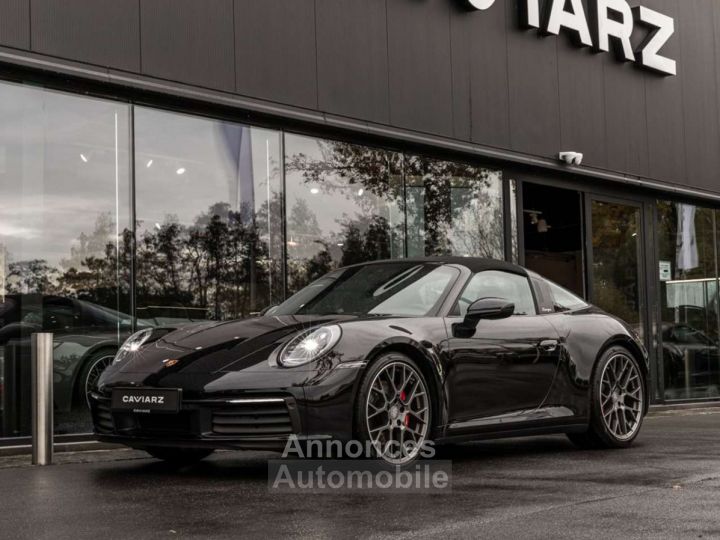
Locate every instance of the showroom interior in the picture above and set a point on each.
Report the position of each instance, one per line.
(137, 192)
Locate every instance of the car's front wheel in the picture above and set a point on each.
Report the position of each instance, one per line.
(617, 402)
(179, 456)
(394, 409)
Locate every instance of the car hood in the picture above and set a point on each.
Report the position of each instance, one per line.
(217, 347)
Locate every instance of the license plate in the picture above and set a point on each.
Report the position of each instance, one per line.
(146, 400)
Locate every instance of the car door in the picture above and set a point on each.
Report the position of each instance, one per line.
(503, 366)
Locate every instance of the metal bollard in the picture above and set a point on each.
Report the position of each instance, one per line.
(42, 399)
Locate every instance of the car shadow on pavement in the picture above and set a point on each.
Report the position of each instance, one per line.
(525, 447)
(229, 466)
(505, 448)
(222, 467)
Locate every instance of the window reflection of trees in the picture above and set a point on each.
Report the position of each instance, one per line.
(439, 207)
(94, 271)
(366, 177)
(615, 240)
(221, 262)
(219, 267)
(227, 263)
(453, 208)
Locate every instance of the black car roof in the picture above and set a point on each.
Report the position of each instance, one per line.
(474, 264)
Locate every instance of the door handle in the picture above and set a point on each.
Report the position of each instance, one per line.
(549, 345)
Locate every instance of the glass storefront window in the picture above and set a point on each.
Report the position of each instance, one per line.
(65, 239)
(209, 218)
(226, 225)
(344, 206)
(232, 219)
(348, 204)
(687, 238)
(453, 209)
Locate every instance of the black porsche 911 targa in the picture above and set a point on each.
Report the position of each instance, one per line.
(391, 353)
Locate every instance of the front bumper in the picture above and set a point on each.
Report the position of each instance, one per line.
(262, 423)
(258, 417)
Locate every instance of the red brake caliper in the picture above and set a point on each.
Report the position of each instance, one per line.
(403, 396)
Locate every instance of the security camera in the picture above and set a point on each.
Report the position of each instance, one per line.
(571, 158)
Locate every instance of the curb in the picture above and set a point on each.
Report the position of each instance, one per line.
(79, 446)
(684, 409)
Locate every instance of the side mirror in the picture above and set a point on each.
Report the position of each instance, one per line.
(488, 308)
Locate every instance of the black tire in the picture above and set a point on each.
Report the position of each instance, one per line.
(179, 456)
(405, 409)
(89, 375)
(599, 435)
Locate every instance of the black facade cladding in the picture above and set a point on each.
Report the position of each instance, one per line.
(200, 34)
(15, 23)
(419, 66)
(105, 33)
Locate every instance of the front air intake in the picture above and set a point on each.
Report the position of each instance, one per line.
(253, 419)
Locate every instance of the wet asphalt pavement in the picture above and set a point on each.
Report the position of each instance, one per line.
(666, 486)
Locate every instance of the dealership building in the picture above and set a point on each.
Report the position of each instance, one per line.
(167, 161)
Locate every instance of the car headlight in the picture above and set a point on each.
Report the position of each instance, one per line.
(133, 344)
(309, 345)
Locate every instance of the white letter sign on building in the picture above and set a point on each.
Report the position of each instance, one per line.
(612, 24)
(574, 20)
(663, 27)
(619, 27)
(481, 4)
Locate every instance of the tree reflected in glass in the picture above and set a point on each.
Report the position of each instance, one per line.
(454, 208)
(345, 206)
(210, 211)
(350, 204)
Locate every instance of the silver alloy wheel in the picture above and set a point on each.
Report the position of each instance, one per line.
(397, 413)
(96, 368)
(621, 397)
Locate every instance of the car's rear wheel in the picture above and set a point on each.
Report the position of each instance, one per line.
(617, 402)
(179, 456)
(394, 409)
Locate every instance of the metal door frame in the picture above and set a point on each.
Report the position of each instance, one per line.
(647, 280)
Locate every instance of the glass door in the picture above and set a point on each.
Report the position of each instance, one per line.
(615, 259)
(689, 301)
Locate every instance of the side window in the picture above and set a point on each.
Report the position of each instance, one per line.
(492, 283)
(58, 314)
(58, 317)
(565, 300)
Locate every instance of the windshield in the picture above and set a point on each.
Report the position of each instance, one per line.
(403, 289)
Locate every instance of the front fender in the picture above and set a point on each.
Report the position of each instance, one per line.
(419, 339)
(429, 360)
